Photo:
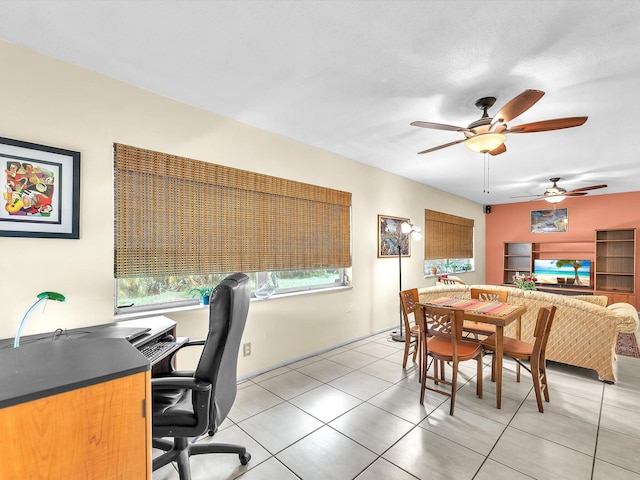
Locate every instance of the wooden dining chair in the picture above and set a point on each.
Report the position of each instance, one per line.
(534, 353)
(408, 298)
(442, 329)
(475, 329)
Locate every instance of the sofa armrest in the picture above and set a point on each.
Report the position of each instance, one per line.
(627, 312)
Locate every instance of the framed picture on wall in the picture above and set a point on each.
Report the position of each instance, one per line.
(389, 236)
(41, 194)
(549, 221)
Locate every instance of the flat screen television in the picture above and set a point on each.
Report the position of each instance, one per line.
(574, 273)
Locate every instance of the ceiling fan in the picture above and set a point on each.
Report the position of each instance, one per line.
(487, 135)
(555, 194)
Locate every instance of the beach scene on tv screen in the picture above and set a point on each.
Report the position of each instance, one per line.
(563, 272)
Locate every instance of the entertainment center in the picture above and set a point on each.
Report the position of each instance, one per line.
(610, 262)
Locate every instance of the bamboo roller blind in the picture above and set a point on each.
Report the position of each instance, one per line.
(175, 215)
(447, 236)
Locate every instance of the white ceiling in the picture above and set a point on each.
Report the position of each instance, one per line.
(350, 76)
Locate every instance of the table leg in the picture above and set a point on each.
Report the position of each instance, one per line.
(498, 360)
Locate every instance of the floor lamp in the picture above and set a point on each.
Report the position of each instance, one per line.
(410, 232)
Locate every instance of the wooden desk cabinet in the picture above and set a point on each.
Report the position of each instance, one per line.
(75, 410)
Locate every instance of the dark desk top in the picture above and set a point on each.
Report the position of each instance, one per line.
(46, 364)
(39, 370)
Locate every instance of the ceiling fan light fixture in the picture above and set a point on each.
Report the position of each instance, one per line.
(484, 142)
(555, 198)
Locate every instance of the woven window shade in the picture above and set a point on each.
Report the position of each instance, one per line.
(174, 215)
(447, 236)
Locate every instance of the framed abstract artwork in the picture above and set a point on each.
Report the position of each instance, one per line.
(41, 194)
(549, 221)
(389, 236)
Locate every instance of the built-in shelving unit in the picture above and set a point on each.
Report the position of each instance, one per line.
(517, 259)
(615, 264)
(613, 256)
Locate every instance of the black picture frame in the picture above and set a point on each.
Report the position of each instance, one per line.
(41, 192)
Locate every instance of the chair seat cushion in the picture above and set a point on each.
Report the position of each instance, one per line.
(511, 347)
(443, 347)
(173, 407)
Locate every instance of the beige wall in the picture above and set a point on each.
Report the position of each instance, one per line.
(53, 103)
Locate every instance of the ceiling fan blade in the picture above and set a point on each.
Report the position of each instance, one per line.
(546, 125)
(498, 150)
(584, 189)
(574, 194)
(518, 105)
(440, 126)
(442, 146)
(527, 196)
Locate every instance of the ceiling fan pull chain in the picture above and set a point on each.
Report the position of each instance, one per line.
(485, 171)
(486, 156)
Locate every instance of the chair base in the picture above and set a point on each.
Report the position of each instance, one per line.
(181, 449)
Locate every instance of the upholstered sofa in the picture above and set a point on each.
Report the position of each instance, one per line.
(584, 330)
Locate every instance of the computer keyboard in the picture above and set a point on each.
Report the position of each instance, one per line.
(153, 351)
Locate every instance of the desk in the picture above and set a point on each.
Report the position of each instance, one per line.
(77, 405)
(75, 409)
(159, 328)
(494, 313)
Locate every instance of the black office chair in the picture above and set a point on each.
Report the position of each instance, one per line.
(189, 403)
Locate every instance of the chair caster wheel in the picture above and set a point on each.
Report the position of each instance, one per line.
(244, 459)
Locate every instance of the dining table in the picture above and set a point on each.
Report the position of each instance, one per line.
(495, 313)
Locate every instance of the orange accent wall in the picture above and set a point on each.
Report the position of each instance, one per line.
(511, 223)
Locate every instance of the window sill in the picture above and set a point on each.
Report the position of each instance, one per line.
(188, 308)
(436, 275)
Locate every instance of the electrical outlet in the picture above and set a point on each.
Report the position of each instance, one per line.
(246, 349)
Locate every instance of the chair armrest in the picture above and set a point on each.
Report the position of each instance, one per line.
(190, 383)
(190, 343)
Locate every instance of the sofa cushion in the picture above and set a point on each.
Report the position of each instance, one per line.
(601, 300)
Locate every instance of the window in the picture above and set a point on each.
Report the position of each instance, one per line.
(448, 243)
(438, 266)
(151, 293)
(181, 223)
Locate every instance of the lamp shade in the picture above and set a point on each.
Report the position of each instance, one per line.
(411, 230)
(42, 297)
(555, 198)
(484, 142)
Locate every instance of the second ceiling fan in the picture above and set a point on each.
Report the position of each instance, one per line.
(555, 194)
(487, 134)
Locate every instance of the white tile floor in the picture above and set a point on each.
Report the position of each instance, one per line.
(353, 413)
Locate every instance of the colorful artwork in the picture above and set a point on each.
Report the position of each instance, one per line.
(29, 188)
(40, 194)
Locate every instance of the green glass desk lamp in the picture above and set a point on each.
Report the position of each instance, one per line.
(42, 297)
